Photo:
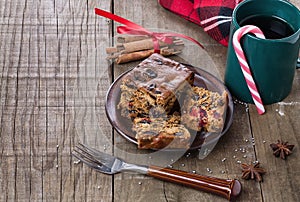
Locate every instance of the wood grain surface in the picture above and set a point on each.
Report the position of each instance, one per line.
(54, 77)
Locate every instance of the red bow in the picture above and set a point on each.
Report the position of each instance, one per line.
(135, 29)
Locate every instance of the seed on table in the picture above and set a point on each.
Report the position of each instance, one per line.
(76, 162)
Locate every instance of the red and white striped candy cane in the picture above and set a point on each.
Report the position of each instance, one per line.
(244, 65)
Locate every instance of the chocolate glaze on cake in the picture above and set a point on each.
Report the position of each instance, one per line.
(161, 77)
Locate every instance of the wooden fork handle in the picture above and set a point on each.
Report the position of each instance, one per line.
(228, 189)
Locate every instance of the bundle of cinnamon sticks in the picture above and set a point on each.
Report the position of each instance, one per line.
(131, 47)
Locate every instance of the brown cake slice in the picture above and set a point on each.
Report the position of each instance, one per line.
(155, 84)
(204, 110)
(134, 103)
(158, 133)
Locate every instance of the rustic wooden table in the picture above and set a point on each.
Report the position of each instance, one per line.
(53, 81)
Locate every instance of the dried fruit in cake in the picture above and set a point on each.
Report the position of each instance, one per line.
(204, 110)
(135, 103)
(157, 133)
(156, 83)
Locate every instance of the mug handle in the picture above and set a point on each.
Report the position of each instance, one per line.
(298, 64)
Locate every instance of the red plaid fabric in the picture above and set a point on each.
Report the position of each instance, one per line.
(214, 16)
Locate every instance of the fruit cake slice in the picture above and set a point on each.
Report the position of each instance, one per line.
(157, 133)
(155, 83)
(135, 103)
(204, 110)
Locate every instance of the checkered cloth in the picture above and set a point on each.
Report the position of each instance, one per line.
(214, 16)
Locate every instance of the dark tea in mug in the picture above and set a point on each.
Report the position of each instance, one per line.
(273, 27)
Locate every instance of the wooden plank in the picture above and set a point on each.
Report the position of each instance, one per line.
(91, 126)
(280, 122)
(47, 45)
(12, 136)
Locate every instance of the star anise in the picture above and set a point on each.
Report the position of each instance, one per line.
(252, 171)
(282, 149)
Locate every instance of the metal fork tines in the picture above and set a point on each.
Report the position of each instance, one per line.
(104, 162)
(98, 160)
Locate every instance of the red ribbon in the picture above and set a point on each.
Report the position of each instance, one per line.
(135, 29)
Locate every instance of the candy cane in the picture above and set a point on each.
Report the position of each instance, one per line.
(244, 65)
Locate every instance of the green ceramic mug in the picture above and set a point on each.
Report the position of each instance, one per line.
(272, 60)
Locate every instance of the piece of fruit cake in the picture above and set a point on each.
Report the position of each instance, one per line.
(158, 133)
(204, 110)
(153, 86)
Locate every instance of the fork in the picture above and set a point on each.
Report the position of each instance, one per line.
(108, 164)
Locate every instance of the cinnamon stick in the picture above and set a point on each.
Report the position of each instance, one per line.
(139, 55)
(130, 38)
(133, 46)
(128, 57)
(110, 50)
